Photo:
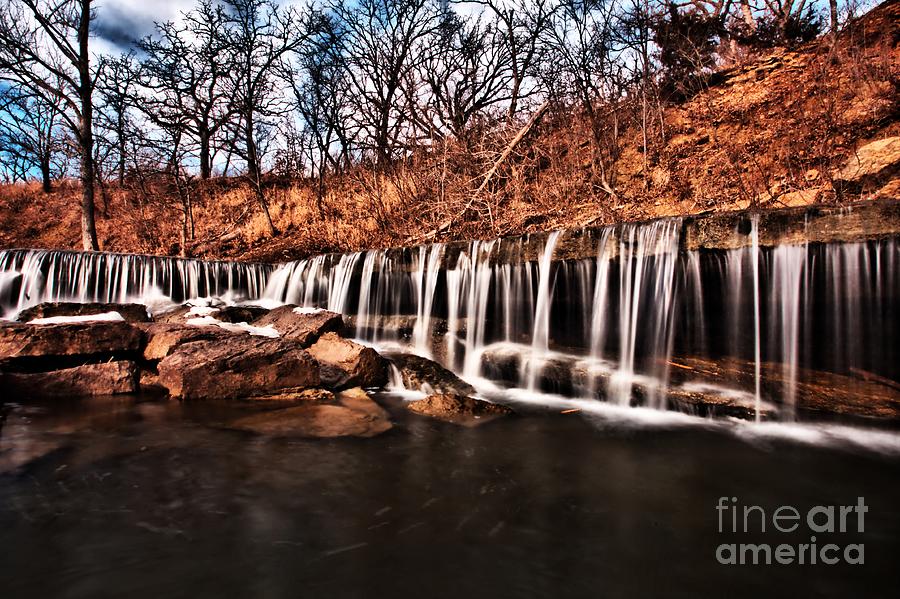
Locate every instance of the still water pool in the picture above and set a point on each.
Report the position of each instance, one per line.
(135, 498)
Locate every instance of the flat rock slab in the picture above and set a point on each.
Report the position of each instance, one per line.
(237, 366)
(108, 378)
(420, 373)
(864, 396)
(19, 341)
(458, 409)
(296, 396)
(305, 327)
(347, 364)
(130, 312)
(354, 415)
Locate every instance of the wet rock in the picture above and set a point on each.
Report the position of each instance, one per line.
(863, 395)
(237, 366)
(571, 375)
(148, 381)
(354, 415)
(303, 327)
(870, 166)
(420, 373)
(237, 314)
(344, 363)
(173, 316)
(295, 396)
(164, 338)
(130, 312)
(109, 378)
(25, 343)
(719, 402)
(458, 409)
(232, 314)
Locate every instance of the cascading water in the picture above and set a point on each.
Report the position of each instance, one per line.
(616, 326)
(540, 338)
(34, 276)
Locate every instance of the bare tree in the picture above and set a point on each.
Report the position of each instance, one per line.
(316, 74)
(259, 35)
(30, 134)
(469, 73)
(523, 24)
(383, 43)
(185, 69)
(583, 67)
(115, 85)
(44, 49)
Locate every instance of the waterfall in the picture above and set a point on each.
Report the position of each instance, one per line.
(426, 282)
(609, 322)
(540, 338)
(647, 258)
(34, 276)
(757, 341)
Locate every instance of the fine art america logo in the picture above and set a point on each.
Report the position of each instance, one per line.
(831, 520)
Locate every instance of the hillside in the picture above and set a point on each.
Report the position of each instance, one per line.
(792, 127)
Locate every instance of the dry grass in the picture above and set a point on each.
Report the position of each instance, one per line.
(766, 133)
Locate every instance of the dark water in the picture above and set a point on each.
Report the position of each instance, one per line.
(156, 499)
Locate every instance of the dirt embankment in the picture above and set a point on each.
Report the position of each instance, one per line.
(817, 124)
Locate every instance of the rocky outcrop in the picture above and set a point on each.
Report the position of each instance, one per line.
(108, 378)
(237, 366)
(422, 374)
(28, 342)
(353, 414)
(305, 327)
(871, 166)
(458, 409)
(345, 364)
(129, 312)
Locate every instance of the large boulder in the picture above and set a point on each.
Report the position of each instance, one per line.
(458, 409)
(353, 415)
(870, 166)
(164, 338)
(347, 364)
(27, 342)
(129, 312)
(302, 325)
(237, 366)
(422, 374)
(108, 378)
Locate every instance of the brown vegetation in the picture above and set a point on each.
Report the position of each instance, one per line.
(770, 132)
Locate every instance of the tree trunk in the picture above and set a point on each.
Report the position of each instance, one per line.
(121, 165)
(86, 135)
(834, 16)
(205, 166)
(46, 184)
(254, 171)
(747, 15)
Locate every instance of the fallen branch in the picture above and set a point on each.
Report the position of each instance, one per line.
(493, 170)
